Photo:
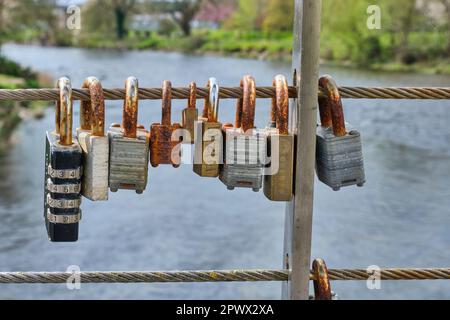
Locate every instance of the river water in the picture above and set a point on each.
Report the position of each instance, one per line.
(400, 218)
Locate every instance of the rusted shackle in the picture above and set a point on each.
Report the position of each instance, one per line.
(330, 106)
(280, 105)
(64, 112)
(166, 103)
(130, 108)
(247, 104)
(322, 287)
(92, 113)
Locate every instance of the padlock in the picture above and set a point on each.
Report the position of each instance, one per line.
(163, 144)
(339, 156)
(94, 143)
(129, 146)
(245, 146)
(190, 115)
(63, 173)
(208, 136)
(279, 172)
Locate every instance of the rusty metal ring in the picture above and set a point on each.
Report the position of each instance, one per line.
(192, 102)
(322, 287)
(331, 110)
(167, 103)
(65, 111)
(248, 86)
(93, 113)
(130, 108)
(280, 104)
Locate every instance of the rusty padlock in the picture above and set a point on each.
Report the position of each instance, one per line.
(129, 146)
(278, 179)
(190, 115)
(245, 145)
(94, 143)
(163, 148)
(208, 154)
(339, 156)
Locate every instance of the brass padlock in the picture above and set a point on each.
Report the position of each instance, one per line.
(63, 172)
(94, 143)
(190, 115)
(278, 179)
(208, 136)
(163, 144)
(129, 146)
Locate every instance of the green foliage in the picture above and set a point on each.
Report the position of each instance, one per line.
(249, 15)
(280, 16)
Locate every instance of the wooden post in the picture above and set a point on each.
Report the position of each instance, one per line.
(299, 213)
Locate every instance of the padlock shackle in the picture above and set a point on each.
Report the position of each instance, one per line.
(192, 101)
(322, 287)
(130, 108)
(330, 107)
(95, 109)
(248, 86)
(207, 107)
(166, 103)
(280, 104)
(239, 110)
(65, 111)
(213, 105)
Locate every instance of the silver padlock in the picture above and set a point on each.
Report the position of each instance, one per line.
(94, 143)
(245, 146)
(129, 146)
(339, 156)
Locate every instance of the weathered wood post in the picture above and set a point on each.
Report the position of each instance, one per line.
(299, 213)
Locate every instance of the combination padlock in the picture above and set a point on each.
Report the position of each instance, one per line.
(190, 115)
(208, 136)
(63, 173)
(278, 178)
(339, 156)
(164, 147)
(94, 143)
(245, 146)
(129, 146)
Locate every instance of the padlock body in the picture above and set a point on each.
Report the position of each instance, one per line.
(128, 160)
(244, 155)
(95, 166)
(208, 154)
(339, 160)
(162, 146)
(190, 116)
(62, 196)
(279, 176)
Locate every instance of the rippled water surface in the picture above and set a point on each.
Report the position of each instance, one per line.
(400, 218)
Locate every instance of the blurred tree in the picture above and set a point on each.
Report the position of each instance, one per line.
(121, 10)
(280, 15)
(37, 16)
(402, 17)
(249, 15)
(182, 12)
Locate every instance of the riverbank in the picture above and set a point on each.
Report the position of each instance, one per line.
(13, 76)
(257, 45)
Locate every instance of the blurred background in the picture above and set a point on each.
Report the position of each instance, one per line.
(399, 219)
